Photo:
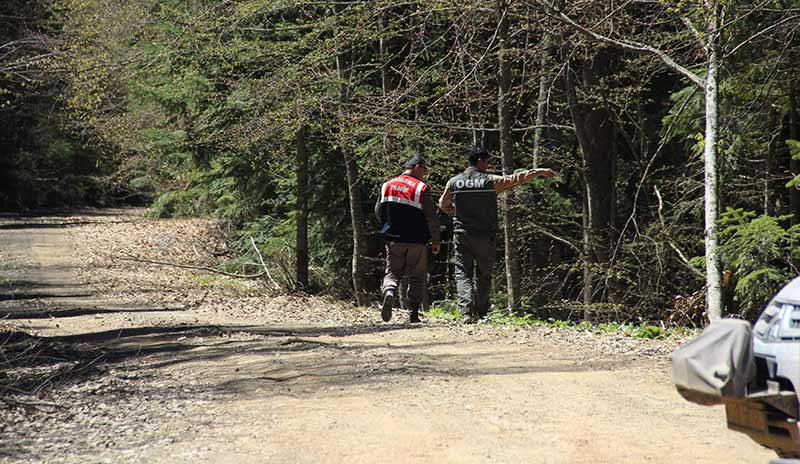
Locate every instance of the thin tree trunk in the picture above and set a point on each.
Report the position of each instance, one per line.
(359, 268)
(586, 251)
(302, 208)
(505, 121)
(713, 274)
(388, 48)
(769, 173)
(384, 64)
(541, 106)
(588, 274)
(595, 133)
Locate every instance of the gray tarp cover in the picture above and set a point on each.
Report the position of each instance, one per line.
(719, 363)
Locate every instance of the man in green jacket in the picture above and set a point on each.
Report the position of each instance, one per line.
(471, 198)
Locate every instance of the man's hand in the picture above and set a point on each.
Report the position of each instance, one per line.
(435, 248)
(545, 172)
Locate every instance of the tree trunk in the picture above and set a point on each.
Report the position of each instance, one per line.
(302, 208)
(505, 121)
(541, 106)
(359, 268)
(588, 272)
(386, 49)
(595, 133)
(713, 275)
(769, 174)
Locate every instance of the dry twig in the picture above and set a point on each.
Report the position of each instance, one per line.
(189, 266)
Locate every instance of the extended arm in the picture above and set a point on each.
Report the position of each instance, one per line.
(503, 183)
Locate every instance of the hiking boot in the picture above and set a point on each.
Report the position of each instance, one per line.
(386, 307)
(414, 317)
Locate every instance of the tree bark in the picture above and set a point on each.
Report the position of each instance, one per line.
(505, 121)
(769, 174)
(302, 208)
(588, 272)
(386, 49)
(713, 274)
(359, 268)
(541, 105)
(595, 132)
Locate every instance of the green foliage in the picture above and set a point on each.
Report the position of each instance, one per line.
(650, 331)
(682, 122)
(228, 284)
(445, 309)
(758, 250)
(794, 148)
(272, 235)
(175, 204)
(794, 152)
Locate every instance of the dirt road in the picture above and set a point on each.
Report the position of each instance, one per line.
(160, 365)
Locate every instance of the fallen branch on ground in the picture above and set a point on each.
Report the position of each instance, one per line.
(36, 404)
(189, 266)
(264, 265)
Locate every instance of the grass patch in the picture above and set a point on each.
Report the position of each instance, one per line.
(443, 310)
(448, 310)
(226, 284)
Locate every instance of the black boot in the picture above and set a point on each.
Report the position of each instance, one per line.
(414, 317)
(386, 307)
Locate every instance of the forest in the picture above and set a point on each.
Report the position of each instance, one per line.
(672, 124)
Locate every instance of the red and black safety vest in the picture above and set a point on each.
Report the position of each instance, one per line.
(402, 212)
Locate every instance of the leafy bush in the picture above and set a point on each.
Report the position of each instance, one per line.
(176, 204)
(649, 331)
(275, 239)
(444, 309)
(758, 251)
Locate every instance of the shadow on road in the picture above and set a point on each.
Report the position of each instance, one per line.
(72, 312)
(14, 296)
(274, 360)
(53, 225)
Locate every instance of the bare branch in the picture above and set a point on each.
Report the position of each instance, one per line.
(761, 32)
(557, 238)
(628, 45)
(263, 264)
(672, 245)
(688, 22)
(188, 266)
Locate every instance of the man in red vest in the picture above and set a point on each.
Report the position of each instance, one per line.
(408, 220)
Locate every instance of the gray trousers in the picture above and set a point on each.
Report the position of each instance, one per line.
(474, 260)
(406, 260)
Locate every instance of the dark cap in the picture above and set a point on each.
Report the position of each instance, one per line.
(414, 161)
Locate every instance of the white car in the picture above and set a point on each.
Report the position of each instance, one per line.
(776, 339)
(754, 371)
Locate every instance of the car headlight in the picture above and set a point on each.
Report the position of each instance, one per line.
(780, 321)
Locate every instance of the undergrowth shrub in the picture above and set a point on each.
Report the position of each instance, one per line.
(758, 253)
